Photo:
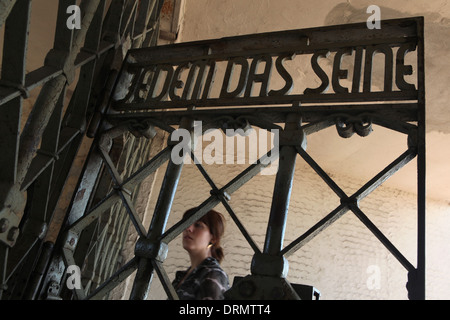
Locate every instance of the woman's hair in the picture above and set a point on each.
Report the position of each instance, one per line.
(216, 224)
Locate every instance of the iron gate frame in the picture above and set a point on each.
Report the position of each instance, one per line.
(270, 263)
(151, 248)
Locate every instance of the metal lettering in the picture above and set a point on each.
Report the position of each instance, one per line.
(388, 69)
(285, 75)
(319, 72)
(156, 82)
(264, 77)
(338, 73)
(209, 80)
(402, 70)
(130, 83)
(143, 84)
(197, 69)
(357, 70)
(176, 82)
(224, 93)
(176, 77)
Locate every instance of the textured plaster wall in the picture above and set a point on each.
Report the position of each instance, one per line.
(205, 19)
(345, 261)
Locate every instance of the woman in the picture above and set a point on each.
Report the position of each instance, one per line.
(205, 279)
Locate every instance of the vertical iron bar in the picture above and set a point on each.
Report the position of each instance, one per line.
(421, 165)
(282, 192)
(38, 272)
(163, 206)
(13, 70)
(13, 73)
(3, 265)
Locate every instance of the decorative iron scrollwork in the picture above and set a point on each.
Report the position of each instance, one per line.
(142, 129)
(347, 125)
(234, 125)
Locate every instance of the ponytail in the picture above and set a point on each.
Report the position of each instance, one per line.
(217, 252)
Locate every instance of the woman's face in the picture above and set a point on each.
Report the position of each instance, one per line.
(196, 237)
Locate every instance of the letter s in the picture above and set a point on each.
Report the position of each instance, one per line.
(320, 73)
(284, 74)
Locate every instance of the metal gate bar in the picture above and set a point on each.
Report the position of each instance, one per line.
(282, 190)
(417, 285)
(144, 274)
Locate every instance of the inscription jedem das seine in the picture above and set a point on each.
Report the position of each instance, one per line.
(270, 68)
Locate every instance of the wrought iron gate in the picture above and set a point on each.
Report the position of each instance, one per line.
(36, 161)
(125, 109)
